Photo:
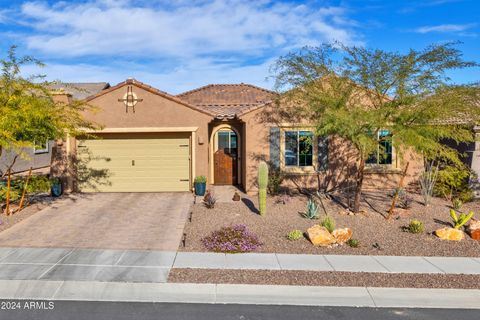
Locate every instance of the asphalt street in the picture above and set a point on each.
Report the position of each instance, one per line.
(79, 310)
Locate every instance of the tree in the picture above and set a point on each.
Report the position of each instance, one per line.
(359, 94)
(29, 113)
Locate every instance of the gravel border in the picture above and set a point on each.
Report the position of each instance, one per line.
(333, 278)
(377, 235)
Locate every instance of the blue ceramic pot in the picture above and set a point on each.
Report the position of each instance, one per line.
(200, 188)
(56, 189)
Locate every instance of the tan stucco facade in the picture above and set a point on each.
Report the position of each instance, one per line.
(159, 112)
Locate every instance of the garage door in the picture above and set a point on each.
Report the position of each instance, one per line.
(134, 163)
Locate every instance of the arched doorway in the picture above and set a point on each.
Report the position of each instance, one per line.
(225, 148)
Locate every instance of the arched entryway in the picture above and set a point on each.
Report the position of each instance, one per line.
(225, 154)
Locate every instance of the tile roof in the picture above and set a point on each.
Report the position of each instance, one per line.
(227, 99)
(81, 90)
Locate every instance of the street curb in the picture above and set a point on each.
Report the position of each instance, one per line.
(239, 294)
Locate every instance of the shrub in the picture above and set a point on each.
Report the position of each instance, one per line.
(275, 179)
(459, 221)
(200, 179)
(295, 235)
(311, 211)
(415, 226)
(209, 200)
(328, 223)
(457, 203)
(404, 200)
(354, 243)
(38, 184)
(233, 239)
(454, 182)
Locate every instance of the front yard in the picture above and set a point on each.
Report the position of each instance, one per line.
(377, 236)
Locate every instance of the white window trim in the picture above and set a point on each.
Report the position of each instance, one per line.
(40, 151)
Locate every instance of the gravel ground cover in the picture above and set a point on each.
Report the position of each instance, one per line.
(377, 235)
(313, 278)
(35, 205)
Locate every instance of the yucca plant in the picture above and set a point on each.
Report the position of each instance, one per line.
(459, 221)
(311, 211)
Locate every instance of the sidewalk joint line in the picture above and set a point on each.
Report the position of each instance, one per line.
(58, 289)
(434, 265)
(51, 268)
(371, 297)
(388, 270)
(329, 263)
(121, 256)
(278, 261)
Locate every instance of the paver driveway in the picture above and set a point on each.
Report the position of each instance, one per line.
(143, 221)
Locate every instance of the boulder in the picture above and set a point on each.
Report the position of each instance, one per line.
(450, 234)
(342, 235)
(319, 236)
(474, 229)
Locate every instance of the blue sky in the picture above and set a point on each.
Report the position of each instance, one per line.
(180, 45)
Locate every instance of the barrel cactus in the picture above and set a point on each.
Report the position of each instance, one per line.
(262, 187)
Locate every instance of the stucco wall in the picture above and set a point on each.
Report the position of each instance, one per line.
(341, 162)
(154, 111)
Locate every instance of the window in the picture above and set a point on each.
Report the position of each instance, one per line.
(227, 140)
(299, 148)
(384, 153)
(41, 148)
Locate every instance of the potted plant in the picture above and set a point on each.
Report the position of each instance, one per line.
(200, 184)
(56, 187)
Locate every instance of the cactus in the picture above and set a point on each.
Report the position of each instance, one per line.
(262, 187)
(461, 219)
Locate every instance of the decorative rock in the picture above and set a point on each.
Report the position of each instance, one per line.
(450, 234)
(319, 236)
(342, 235)
(474, 229)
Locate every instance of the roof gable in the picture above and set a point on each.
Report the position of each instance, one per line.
(149, 89)
(228, 99)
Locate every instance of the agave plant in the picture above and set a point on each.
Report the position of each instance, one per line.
(311, 211)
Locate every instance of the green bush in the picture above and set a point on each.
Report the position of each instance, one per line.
(415, 226)
(200, 179)
(295, 235)
(275, 179)
(328, 223)
(454, 182)
(354, 243)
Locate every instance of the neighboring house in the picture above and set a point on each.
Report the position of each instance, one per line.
(40, 159)
(152, 141)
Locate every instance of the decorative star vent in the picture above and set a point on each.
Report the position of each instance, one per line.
(130, 99)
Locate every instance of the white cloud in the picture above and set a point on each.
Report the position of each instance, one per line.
(445, 28)
(195, 73)
(186, 29)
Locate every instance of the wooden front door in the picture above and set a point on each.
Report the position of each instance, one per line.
(225, 168)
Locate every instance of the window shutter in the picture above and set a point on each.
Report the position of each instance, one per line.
(275, 147)
(322, 150)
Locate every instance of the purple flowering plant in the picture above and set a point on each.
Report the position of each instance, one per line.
(232, 239)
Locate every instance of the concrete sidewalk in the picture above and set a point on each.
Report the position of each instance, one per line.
(312, 262)
(239, 294)
(154, 266)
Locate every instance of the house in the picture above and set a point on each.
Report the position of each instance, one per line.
(40, 158)
(152, 141)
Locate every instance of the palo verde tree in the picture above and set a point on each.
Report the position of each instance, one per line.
(364, 95)
(29, 112)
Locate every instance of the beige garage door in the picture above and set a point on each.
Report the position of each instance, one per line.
(134, 163)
